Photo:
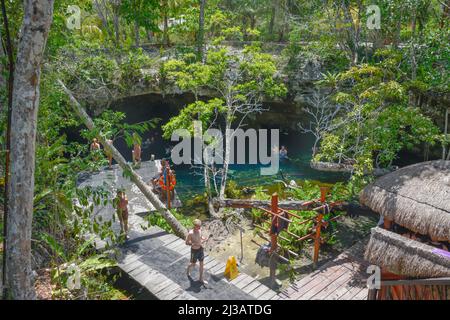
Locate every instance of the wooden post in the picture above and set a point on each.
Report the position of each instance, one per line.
(274, 209)
(242, 246)
(168, 177)
(317, 239)
(273, 237)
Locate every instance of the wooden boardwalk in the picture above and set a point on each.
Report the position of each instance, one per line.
(343, 278)
(156, 259)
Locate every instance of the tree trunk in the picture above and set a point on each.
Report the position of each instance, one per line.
(176, 226)
(201, 31)
(226, 160)
(413, 56)
(103, 17)
(445, 14)
(9, 54)
(149, 35)
(166, 39)
(272, 18)
(34, 33)
(136, 33)
(116, 26)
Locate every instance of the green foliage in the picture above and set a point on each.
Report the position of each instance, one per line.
(112, 126)
(199, 110)
(142, 12)
(379, 122)
(155, 219)
(233, 191)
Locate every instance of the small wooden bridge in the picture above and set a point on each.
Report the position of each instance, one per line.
(157, 260)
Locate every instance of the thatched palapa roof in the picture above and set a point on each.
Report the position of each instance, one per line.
(416, 197)
(404, 256)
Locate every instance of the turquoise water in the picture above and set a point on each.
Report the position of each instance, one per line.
(190, 181)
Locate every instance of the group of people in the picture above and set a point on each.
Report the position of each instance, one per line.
(164, 181)
(136, 152)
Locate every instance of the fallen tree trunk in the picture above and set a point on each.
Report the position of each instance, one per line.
(176, 226)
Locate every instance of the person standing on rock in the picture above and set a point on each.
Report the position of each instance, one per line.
(136, 150)
(196, 240)
(122, 211)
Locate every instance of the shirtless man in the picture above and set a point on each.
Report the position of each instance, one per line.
(94, 147)
(196, 240)
(122, 211)
(136, 150)
(109, 155)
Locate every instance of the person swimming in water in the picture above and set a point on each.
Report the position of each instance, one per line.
(283, 153)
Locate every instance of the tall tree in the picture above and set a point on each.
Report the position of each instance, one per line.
(25, 103)
(141, 13)
(201, 30)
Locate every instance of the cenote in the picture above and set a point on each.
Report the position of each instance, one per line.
(282, 116)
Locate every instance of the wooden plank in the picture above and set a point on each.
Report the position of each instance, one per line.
(251, 286)
(339, 292)
(244, 282)
(136, 272)
(132, 266)
(211, 264)
(268, 295)
(163, 283)
(333, 286)
(174, 294)
(362, 295)
(185, 296)
(258, 292)
(180, 246)
(142, 277)
(168, 239)
(321, 286)
(318, 281)
(128, 258)
(177, 243)
(162, 295)
(217, 269)
(276, 297)
(238, 278)
(153, 279)
(351, 293)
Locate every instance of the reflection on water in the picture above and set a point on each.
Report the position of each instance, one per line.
(190, 180)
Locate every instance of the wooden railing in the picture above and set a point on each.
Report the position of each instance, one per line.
(276, 212)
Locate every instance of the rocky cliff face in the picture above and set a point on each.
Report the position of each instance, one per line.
(298, 74)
